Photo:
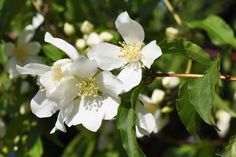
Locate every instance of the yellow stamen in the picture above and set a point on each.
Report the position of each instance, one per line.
(130, 51)
(88, 88)
(42, 88)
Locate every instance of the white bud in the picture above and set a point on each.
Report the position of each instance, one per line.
(80, 43)
(86, 27)
(157, 96)
(93, 39)
(69, 29)
(171, 32)
(223, 122)
(106, 36)
(170, 82)
(2, 128)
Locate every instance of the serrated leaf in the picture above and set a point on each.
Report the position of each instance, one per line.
(202, 92)
(217, 29)
(52, 52)
(187, 49)
(186, 110)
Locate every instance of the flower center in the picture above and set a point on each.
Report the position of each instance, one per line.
(88, 88)
(21, 53)
(130, 51)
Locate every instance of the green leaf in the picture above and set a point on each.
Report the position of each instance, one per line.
(224, 105)
(186, 110)
(230, 149)
(202, 92)
(52, 52)
(217, 29)
(187, 49)
(3, 57)
(37, 149)
(9, 11)
(126, 120)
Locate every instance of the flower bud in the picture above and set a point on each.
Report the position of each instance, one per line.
(223, 122)
(170, 82)
(171, 33)
(157, 96)
(106, 36)
(93, 39)
(86, 27)
(80, 43)
(69, 29)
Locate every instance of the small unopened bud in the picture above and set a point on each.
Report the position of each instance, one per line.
(69, 29)
(80, 43)
(171, 33)
(106, 36)
(86, 27)
(223, 122)
(170, 82)
(166, 109)
(157, 96)
(93, 39)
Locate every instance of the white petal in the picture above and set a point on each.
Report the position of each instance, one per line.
(149, 53)
(146, 120)
(130, 30)
(33, 48)
(83, 67)
(111, 105)
(9, 49)
(63, 45)
(145, 99)
(59, 124)
(47, 82)
(43, 107)
(33, 69)
(106, 56)
(65, 91)
(161, 121)
(25, 37)
(37, 20)
(90, 114)
(109, 84)
(11, 67)
(33, 59)
(170, 82)
(131, 75)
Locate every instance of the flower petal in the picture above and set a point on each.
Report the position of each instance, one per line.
(25, 37)
(130, 30)
(131, 75)
(33, 69)
(33, 48)
(146, 120)
(63, 45)
(90, 114)
(83, 67)
(110, 104)
(47, 82)
(106, 56)
(59, 124)
(9, 49)
(41, 106)
(11, 68)
(149, 53)
(109, 84)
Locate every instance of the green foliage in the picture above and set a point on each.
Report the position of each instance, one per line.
(219, 32)
(202, 92)
(52, 52)
(37, 149)
(187, 49)
(186, 110)
(230, 149)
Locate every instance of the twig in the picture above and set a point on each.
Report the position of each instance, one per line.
(174, 14)
(222, 77)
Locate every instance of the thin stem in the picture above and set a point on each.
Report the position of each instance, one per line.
(189, 66)
(172, 11)
(222, 77)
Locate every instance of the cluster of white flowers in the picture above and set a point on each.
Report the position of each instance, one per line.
(24, 51)
(83, 89)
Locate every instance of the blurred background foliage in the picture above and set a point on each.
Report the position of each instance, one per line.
(23, 134)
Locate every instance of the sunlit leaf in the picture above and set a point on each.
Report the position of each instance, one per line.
(52, 52)
(37, 149)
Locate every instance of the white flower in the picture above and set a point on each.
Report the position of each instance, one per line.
(2, 128)
(223, 122)
(80, 43)
(170, 82)
(69, 29)
(106, 36)
(36, 22)
(171, 32)
(156, 98)
(130, 54)
(145, 121)
(88, 96)
(93, 39)
(86, 27)
(49, 79)
(22, 53)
